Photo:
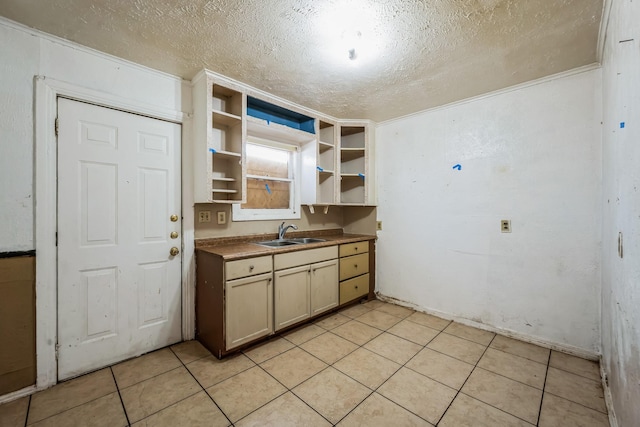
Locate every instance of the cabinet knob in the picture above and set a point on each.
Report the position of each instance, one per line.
(356, 286)
(251, 267)
(356, 248)
(355, 265)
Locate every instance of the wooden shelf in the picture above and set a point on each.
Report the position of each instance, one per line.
(223, 190)
(225, 119)
(324, 146)
(222, 179)
(225, 154)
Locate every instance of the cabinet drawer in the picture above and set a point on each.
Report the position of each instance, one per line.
(354, 266)
(309, 256)
(248, 267)
(354, 288)
(354, 248)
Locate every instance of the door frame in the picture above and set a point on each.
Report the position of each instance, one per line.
(47, 91)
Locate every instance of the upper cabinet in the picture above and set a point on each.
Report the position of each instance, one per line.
(356, 171)
(336, 163)
(219, 134)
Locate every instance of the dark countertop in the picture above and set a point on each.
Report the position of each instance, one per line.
(239, 248)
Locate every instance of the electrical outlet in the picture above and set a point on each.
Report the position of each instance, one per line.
(222, 217)
(378, 225)
(204, 216)
(505, 226)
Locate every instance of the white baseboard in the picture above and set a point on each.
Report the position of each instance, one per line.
(18, 394)
(564, 348)
(608, 398)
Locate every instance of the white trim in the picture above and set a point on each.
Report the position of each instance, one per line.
(17, 394)
(47, 91)
(513, 88)
(564, 348)
(608, 398)
(604, 25)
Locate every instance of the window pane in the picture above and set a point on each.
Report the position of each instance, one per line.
(266, 161)
(265, 194)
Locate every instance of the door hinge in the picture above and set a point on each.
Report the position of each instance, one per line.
(57, 350)
(56, 238)
(57, 123)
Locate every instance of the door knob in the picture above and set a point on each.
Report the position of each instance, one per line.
(174, 251)
(173, 218)
(174, 235)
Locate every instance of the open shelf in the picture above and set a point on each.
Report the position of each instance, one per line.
(220, 118)
(226, 101)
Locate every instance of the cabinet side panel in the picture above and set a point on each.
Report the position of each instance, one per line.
(210, 302)
(372, 270)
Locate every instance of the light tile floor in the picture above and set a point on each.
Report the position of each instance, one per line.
(373, 364)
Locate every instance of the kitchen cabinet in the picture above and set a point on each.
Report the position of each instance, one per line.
(234, 301)
(305, 284)
(355, 164)
(354, 271)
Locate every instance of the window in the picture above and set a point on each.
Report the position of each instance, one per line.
(272, 190)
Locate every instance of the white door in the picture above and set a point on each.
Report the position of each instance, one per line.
(119, 288)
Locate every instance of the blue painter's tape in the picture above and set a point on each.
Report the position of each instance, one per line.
(212, 150)
(268, 122)
(621, 125)
(320, 169)
(458, 166)
(361, 175)
(268, 189)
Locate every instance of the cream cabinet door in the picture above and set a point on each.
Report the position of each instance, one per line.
(292, 296)
(324, 286)
(249, 309)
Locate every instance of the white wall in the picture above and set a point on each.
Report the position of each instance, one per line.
(531, 155)
(27, 53)
(621, 203)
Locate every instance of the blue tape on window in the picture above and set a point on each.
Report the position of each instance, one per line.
(621, 125)
(212, 150)
(320, 169)
(268, 189)
(361, 175)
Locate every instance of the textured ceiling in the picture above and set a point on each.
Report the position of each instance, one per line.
(411, 54)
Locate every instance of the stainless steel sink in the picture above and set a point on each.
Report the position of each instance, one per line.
(277, 243)
(288, 242)
(307, 240)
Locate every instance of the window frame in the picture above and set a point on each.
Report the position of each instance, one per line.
(293, 212)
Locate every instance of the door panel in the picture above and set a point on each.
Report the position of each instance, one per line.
(119, 289)
(291, 296)
(324, 286)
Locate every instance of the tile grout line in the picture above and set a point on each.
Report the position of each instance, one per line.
(577, 403)
(465, 381)
(544, 386)
(201, 387)
(26, 416)
(126, 415)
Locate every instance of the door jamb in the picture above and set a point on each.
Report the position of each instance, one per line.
(47, 90)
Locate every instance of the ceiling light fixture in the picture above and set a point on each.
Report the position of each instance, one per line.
(352, 40)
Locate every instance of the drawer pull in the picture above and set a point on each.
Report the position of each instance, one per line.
(356, 248)
(356, 286)
(251, 267)
(355, 265)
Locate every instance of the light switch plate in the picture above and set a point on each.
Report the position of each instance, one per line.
(505, 226)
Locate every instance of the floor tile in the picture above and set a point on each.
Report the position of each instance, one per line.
(518, 399)
(70, 394)
(373, 304)
(378, 319)
(440, 367)
(472, 334)
(413, 332)
(332, 394)
(514, 367)
(267, 350)
(242, 394)
(557, 411)
(396, 310)
(188, 351)
(459, 348)
(332, 321)
(466, 411)
(377, 411)
(305, 333)
(286, 410)
(428, 320)
(195, 411)
(367, 367)
(575, 365)
(576, 389)
(106, 411)
(14, 413)
(393, 348)
(356, 332)
(521, 348)
(293, 367)
(210, 371)
(355, 310)
(419, 394)
(150, 396)
(144, 367)
(329, 347)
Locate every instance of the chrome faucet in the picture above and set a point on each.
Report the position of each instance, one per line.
(282, 230)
